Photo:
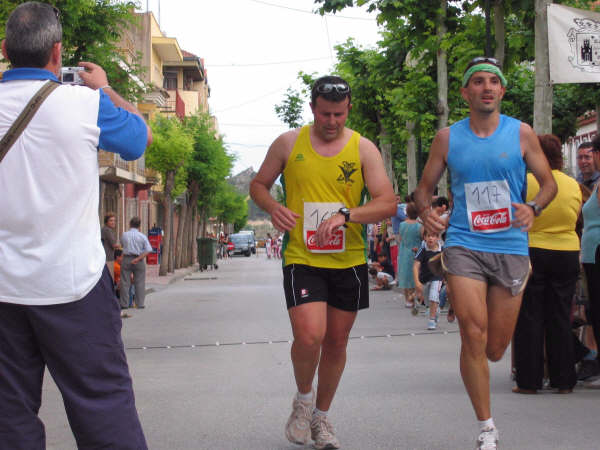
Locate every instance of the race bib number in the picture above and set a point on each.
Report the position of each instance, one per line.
(314, 214)
(488, 206)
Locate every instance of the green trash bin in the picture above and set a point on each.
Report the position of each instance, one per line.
(207, 252)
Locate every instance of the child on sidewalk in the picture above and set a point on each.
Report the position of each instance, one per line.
(428, 285)
(383, 271)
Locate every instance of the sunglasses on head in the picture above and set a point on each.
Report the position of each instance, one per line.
(326, 88)
(483, 60)
(56, 12)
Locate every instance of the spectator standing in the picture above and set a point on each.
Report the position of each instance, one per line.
(588, 172)
(590, 254)
(397, 219)
(269, 245)
(135, 249)
(57, 305)
(545, 315)
(109, 241)
(409, 235)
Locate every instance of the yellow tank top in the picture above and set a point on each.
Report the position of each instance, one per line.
(316, 187)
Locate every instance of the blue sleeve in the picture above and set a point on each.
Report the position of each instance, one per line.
(121, 132)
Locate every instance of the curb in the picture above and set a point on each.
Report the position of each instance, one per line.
(174, 278)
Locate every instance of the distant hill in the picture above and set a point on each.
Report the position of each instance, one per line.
(241, 182)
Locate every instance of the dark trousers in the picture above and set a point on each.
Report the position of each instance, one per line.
(80, 343)
(545, 316)
(592, 274)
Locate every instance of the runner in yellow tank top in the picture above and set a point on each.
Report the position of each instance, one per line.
(316, 187)
(325, 168)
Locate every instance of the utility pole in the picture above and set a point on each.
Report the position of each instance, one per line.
(542, 100)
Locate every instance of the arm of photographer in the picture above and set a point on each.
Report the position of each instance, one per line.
(123, 129)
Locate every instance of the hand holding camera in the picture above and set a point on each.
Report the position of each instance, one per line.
(86, 74)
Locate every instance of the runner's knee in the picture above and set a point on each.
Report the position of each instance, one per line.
(309, 338)
(335, 343)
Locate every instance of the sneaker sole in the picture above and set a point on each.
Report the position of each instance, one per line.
(293, 441)
(327, 447)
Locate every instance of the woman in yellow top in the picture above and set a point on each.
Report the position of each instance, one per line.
(546, 308)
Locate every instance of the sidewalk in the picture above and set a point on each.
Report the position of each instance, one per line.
(155, 283)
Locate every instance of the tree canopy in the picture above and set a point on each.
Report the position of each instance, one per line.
(91, 31)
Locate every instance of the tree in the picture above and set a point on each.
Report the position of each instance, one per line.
(91, 31)
(230, 206)
(290, 110)
(208, 166)
(169, 155)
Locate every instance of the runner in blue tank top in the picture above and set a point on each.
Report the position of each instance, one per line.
(486, 256)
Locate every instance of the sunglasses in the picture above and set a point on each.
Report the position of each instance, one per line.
(326, 88)
(483, 60)
(56, 12)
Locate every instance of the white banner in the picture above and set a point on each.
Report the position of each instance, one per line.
(574, 45)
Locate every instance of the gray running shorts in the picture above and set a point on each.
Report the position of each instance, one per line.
(509, 271)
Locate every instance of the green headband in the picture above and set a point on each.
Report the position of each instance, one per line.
(483, 68)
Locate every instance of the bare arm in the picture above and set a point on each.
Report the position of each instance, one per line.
(383, 201)
(418, 285)
(434, 168)
(284, 219)
(537, 162)
(94, 77)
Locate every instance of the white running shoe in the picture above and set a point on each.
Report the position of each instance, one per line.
(297, 428)
(432, 324)
(488, 439)
(322, 433)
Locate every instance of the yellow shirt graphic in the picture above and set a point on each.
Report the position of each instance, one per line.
(316, 187)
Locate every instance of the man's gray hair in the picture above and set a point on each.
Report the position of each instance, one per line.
(32, 30)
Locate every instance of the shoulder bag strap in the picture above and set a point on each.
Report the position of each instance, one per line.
(25, 117)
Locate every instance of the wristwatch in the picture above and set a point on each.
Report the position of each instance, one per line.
(537, 209)
(345, 212)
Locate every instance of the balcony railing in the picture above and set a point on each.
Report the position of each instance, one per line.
(109, 159)
(116, 169)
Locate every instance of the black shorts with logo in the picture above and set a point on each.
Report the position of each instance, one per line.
(345, 289)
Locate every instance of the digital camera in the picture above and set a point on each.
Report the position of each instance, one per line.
(70, 75)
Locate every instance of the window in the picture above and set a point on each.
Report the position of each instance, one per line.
(170, 81)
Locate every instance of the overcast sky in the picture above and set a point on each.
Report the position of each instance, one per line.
(253, 51)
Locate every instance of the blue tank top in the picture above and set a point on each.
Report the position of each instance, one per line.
(486, 174)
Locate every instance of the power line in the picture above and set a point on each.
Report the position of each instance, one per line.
(310, 12)
(248, 145)
(266, 63)
(250, 101)
(252, 125)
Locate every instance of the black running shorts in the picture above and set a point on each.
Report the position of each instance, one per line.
(345, 289)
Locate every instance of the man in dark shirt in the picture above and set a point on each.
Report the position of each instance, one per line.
(588, 175)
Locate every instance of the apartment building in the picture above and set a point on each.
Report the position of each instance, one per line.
(176, 85)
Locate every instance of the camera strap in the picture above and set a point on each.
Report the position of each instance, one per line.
(25, 117)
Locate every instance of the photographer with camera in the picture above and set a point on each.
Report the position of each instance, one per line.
(57, 304)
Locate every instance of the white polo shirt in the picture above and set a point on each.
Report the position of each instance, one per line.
(50, 247)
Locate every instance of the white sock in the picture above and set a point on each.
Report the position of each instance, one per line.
(486, 424)
(318, 412)
(305, 398)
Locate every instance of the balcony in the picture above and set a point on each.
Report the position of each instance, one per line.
(116, 170)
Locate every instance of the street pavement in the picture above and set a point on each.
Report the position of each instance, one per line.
(209, 357)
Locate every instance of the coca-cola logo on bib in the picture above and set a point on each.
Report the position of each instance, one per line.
(495, 219)
(334, 243)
